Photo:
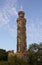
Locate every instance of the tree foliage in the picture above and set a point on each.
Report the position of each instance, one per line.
(36, 56)
(3, 55)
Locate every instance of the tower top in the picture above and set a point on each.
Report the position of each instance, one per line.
(21, 14)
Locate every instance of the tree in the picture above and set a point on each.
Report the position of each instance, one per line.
(3, 55)
(36, 55)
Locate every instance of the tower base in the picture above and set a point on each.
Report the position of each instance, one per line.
(24, 56)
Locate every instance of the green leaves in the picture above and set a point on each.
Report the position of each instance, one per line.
(36, 55)
(3, 55)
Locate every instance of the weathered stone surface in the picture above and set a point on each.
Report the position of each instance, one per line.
(21, 32)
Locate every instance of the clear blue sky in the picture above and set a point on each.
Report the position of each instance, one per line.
(8, 24)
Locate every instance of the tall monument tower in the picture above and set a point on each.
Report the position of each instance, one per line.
(21, 32)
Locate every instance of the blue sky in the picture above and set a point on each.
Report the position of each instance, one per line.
(8, 26)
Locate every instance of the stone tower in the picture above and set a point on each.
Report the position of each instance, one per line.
(21, 32)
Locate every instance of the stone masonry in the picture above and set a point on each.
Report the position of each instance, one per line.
(21, 32)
